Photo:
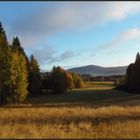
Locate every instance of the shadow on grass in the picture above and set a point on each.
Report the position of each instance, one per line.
(86, 98)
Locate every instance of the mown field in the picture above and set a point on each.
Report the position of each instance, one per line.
(96, 111)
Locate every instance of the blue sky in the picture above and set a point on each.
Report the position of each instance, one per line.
(71, 34)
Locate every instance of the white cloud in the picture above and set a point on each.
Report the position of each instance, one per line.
(120, 10)
(64, 56)
(48, 55)
(128, 35)
(44, 54)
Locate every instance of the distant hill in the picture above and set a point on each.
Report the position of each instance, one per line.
(95, 70)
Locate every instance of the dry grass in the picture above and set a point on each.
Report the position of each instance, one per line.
(70, 122)
(82, 113)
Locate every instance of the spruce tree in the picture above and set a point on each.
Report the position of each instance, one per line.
(133, 75)
(3, 37)
(4, 65)
(16, 46)
(34, 76)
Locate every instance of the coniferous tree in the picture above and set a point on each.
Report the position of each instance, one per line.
(133, 75)
(13, 72)
(4, 65)
(3, 37)
(16, 46)
(34, 77)
(137, 70)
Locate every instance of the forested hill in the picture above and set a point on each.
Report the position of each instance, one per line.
(95, 70)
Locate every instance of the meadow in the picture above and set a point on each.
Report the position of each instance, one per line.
(95, 111)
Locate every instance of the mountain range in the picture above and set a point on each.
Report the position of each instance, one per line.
(95, 70)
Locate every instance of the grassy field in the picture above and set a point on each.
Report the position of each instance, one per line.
(96, 111)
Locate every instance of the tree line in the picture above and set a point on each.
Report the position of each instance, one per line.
(59, 80)
(20, 76)
(113, 78)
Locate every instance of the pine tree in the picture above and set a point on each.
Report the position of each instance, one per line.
(4, 65)
(137, 58)
(34, 76)
(16, 46)
(137, 70)
(3, 38)
(133, 75)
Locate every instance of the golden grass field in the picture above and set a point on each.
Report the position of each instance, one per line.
(96, 111)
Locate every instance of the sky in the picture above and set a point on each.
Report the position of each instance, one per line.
(73, 34)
